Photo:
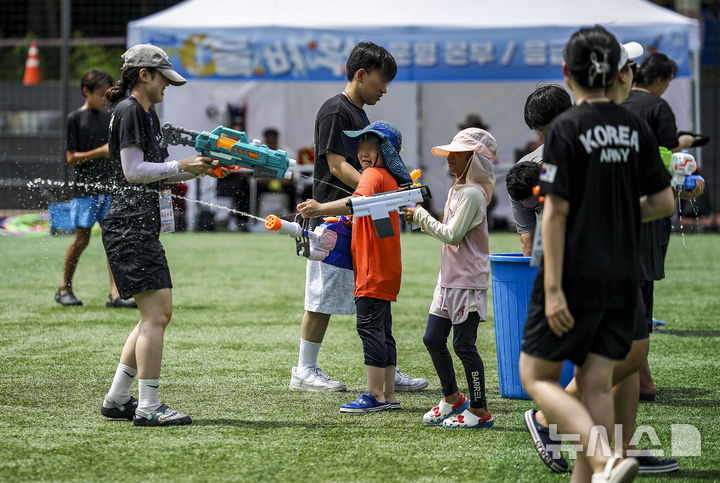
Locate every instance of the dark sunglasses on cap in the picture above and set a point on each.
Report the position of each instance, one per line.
(633, 66)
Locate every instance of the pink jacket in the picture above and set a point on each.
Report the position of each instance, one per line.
(464, 233)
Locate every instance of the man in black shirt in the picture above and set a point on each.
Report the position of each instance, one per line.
(87, 151)
(329, 289)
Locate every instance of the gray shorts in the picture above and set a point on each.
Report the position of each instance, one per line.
(525, 217)
(329, 289)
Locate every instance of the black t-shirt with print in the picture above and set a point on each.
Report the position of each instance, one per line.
(131, 125)
(336, 115)
(87, 129)
(654, 234)
(658, 114)
(601, 158)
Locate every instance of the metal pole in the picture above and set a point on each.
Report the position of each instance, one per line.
(419, 126)
(64, 79)
(695, 58)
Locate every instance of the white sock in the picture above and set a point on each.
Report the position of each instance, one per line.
(120, 389)
(309, 353)
(149, 400)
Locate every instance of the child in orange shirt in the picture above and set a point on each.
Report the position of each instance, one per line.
(376, 262)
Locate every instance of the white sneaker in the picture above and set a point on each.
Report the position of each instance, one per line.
(314, 379)
(403, 382)
(624, 472)
(162, 416)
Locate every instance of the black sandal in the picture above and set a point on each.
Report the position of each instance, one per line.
(67, 299)
(119, 303)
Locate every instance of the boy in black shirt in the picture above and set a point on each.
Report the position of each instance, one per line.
(599, 158)
(328, 290)
(87, 151)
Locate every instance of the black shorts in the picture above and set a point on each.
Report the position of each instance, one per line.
(606, 332)
(136, 258)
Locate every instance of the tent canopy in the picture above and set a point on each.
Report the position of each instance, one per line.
(482, 40)
(280, 60)
(329, 14)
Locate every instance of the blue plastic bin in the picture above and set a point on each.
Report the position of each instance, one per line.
(512, 281)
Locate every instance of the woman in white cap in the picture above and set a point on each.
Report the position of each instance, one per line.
(460, 298)
(133, 225)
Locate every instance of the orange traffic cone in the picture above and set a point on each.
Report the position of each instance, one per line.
(32, 66)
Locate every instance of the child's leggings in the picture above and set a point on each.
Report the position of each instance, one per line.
(374, 326)
(464, 337)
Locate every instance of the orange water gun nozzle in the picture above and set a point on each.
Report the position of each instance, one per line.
(273, 223)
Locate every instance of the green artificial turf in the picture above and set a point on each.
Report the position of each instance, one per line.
(238, 301)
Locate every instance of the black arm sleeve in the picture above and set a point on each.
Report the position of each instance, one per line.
(653, 176)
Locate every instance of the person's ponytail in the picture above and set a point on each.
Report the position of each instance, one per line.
(592, 55)
(639, 79)
(121, 89)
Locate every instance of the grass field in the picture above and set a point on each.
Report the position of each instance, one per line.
(228, 352)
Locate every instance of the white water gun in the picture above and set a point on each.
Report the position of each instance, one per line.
(329, 242)
(379, 206)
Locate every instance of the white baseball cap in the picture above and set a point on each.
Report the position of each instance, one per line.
(629, 51)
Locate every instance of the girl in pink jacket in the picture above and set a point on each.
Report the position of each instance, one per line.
(460, 298)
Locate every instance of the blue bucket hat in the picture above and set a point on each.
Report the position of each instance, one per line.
(390, 145)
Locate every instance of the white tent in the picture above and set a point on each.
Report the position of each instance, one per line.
(282, 58)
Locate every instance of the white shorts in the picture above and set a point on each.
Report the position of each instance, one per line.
(329, 289)
(456, 303)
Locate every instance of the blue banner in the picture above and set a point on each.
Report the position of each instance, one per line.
(422, 54)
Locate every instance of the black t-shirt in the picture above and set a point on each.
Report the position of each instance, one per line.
(336, 115)
(600, 157)
(131, 125)
(658, 114)
(87, 129)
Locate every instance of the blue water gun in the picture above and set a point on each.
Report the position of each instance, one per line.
(233, 150)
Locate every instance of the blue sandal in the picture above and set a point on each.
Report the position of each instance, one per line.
(365, 403)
